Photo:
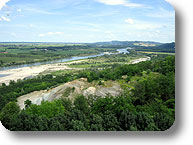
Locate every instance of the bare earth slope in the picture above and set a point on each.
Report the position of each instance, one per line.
(71, 90)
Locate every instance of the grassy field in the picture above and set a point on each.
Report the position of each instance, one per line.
(105, 61)
(101, 62)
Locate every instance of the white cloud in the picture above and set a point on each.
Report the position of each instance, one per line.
(50, 33)
(120, 2)
(3, 18)
(19, 10)
(41, 35)
(3, 3)
(130, 21)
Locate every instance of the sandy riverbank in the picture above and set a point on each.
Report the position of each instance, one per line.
(21, 73)
(140, 60)
(25, 72)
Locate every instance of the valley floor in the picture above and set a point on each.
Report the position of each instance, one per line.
(28, 72)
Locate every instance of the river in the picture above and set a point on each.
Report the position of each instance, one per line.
(30, 70)
(124, 50)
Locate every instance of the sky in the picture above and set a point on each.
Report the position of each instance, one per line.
(86, 20)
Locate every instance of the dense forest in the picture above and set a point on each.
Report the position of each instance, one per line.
(147, 103)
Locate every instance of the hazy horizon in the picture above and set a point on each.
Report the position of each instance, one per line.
(81, 42)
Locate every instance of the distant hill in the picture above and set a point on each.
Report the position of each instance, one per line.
(113, 43)
(128, 43)
(167, 47)
(150, 46)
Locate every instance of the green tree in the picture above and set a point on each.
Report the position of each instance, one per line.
(96, 123)
(127, 120)
(48, 109)
(145, 122)
(67, 103)
(8, 112)
(27, 103)
(163, 121)
(110, 122)
(81, 103)
(78, 125)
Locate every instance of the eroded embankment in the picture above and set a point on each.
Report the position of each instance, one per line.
(71, 90)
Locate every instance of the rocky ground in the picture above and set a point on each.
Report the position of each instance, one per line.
(71, 90)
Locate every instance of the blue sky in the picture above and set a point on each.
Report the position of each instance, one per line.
(86, 20)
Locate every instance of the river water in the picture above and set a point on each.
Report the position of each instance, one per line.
(124, 50)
